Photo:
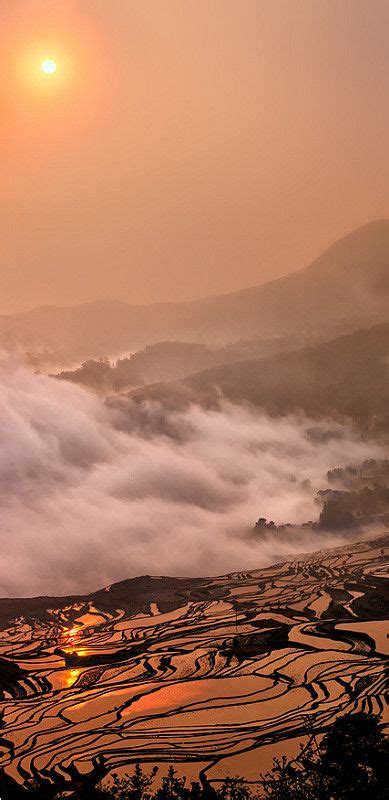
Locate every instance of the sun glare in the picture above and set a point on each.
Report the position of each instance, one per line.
(48, 66)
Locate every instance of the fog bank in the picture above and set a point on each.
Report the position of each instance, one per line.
(91, 494)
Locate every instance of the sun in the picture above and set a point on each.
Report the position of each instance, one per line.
(48, 66)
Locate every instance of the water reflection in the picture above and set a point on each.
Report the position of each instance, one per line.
(72, 676)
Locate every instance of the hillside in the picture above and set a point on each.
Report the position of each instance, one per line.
(346, 288)
(215, 674)
(346, 377)
(168, 361)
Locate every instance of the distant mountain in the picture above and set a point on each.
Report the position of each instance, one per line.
(52, 335)
(346, 288)
(346, 377)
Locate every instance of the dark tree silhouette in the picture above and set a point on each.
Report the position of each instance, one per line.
(355, 758)
(349, 764)
(131, 787)
(173, 787)
(235, 789)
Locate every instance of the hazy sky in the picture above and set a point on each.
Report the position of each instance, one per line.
(185, 147)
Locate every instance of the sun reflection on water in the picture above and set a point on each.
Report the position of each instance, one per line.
(72, 676)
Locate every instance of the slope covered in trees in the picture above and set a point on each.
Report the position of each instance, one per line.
(345, 378)
(168, 361)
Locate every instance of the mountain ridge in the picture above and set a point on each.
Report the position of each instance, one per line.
(344, 289)
(375, 225)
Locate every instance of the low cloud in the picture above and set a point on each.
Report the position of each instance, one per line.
(90, 494)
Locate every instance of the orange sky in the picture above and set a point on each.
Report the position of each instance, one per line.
(185, 147)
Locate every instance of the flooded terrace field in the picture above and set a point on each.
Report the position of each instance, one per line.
(218, 674)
